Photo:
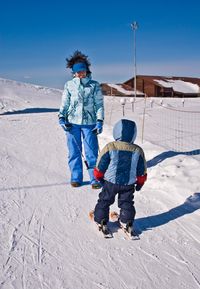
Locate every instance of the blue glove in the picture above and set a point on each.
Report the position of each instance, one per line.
(65, 124)
(99, 127)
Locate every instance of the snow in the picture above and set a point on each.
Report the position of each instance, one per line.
(180, 85)
(124, 91)
(47, 239)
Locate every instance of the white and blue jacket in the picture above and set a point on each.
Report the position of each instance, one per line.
(82, 101)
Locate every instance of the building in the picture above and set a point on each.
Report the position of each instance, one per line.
(119, 90)
(161, 86)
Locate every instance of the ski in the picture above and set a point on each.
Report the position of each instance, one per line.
(103, 227)
(127, 229)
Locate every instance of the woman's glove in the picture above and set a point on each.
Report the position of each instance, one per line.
(65, 124)
(99, 127)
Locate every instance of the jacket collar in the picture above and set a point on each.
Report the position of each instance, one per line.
(83, 81)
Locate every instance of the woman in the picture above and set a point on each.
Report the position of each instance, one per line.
(81, 116)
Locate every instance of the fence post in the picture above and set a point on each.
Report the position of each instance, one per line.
(144, 112)
(132, 101)
(123, 102)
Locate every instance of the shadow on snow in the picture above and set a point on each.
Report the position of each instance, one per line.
(191, 204)
(85, 183)
(31, 110)
(169, 154)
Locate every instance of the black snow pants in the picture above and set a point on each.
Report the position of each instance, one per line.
(107, 198)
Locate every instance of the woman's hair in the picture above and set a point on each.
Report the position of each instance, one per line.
(77, 57)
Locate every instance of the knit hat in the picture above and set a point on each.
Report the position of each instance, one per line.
(80, 66)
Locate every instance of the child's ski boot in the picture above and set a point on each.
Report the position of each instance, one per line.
(104, 229)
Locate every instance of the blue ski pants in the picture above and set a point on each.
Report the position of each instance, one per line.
(77, 137)
(107, 198)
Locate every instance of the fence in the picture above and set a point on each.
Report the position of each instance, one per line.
(171, 123)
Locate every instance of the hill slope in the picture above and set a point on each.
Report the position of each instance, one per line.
(47, 239)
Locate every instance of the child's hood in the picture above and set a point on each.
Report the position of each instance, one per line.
(125, 130)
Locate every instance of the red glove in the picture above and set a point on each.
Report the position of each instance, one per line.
(98, 174)
(140, 182)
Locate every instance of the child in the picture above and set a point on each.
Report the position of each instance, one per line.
(121, 167)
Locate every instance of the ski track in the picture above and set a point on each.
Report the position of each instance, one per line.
(188, 265)
(50, 243)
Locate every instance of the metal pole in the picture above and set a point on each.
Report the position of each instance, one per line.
(134, 26)
(123, 110)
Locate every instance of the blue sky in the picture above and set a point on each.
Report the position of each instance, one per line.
(37, 36)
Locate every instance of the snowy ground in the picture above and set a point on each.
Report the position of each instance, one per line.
(47, 239)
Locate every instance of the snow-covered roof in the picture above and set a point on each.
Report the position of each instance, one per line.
(123, 90)
(179, 85)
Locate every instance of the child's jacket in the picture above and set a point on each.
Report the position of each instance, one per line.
(121, 161)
